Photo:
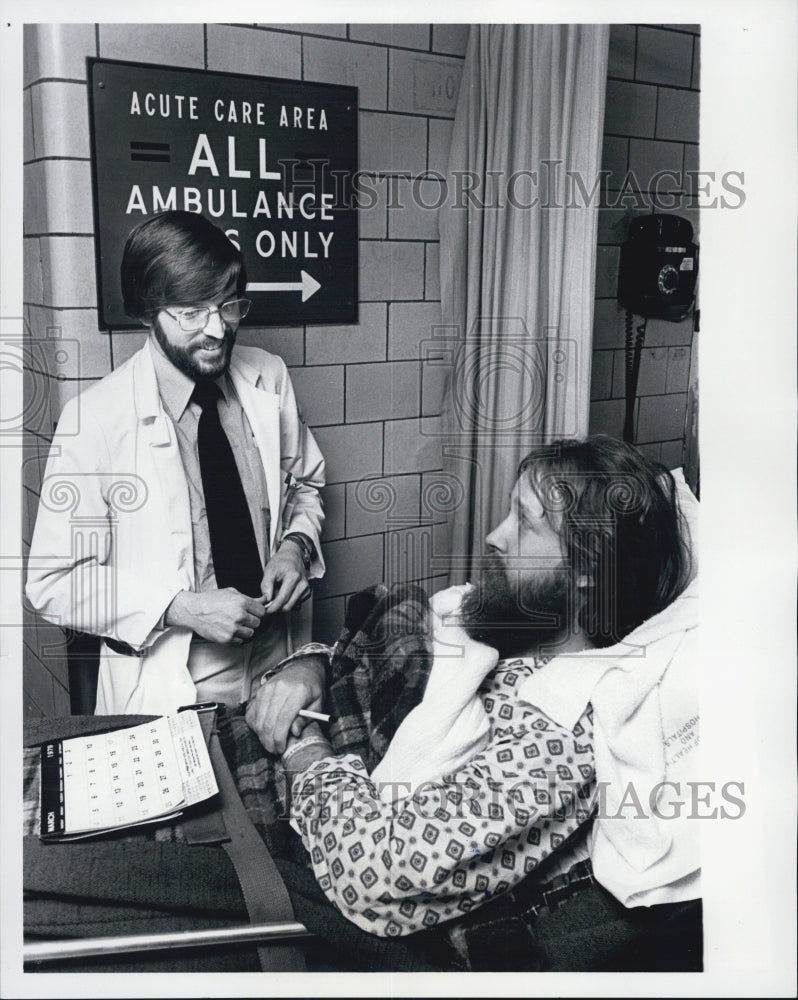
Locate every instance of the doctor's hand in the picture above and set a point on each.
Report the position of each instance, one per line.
(285, 580)
(226, 615)
(273, 711)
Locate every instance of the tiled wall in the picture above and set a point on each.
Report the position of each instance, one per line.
(651, 124)
(360, 387)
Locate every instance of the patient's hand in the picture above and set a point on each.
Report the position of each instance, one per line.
(273, 712)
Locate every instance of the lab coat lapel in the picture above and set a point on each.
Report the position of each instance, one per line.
(263, 412)
(168, 487)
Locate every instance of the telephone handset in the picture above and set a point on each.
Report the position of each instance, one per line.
(656, 279)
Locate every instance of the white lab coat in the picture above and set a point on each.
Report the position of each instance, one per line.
(113, 541)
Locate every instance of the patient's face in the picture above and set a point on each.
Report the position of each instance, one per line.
(522, 593)
(527, 538)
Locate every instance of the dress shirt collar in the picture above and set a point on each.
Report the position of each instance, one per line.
(175, 387)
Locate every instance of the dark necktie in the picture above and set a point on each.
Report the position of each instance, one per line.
(234, 548)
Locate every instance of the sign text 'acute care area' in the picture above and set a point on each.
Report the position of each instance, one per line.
(270, 161)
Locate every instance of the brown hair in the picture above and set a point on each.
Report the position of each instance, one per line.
(620, 528)
(177, 258)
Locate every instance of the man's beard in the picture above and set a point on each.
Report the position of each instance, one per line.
(190, 361)
(518, 613)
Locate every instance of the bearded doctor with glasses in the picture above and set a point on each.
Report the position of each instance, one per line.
(180, 516)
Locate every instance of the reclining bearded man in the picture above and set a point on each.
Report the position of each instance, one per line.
(546, 738)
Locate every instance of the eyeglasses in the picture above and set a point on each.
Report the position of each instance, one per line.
(195, 319)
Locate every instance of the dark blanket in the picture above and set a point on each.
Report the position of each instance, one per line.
(131, 883)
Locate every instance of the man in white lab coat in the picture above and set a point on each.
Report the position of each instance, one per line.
(184, 532)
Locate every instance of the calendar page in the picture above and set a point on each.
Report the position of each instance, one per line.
(146, 773)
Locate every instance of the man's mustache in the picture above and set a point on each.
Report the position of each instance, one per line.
(210, 343)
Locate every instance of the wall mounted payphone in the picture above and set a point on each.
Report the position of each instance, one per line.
(656, 279)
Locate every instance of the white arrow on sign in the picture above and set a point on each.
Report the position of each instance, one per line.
(308, 286)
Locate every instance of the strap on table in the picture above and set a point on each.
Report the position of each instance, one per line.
(262, 886)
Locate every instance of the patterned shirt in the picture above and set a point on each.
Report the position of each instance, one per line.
(452, 844)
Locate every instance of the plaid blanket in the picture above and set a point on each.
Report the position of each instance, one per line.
(379, 670)
(380, 666)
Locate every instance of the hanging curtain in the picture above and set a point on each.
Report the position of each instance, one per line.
(518, 250)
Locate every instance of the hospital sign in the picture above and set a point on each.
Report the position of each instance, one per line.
(269, 161)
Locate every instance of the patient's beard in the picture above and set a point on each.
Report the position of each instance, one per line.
(518, 613)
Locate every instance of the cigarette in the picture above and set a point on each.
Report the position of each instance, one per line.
(318, 716)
